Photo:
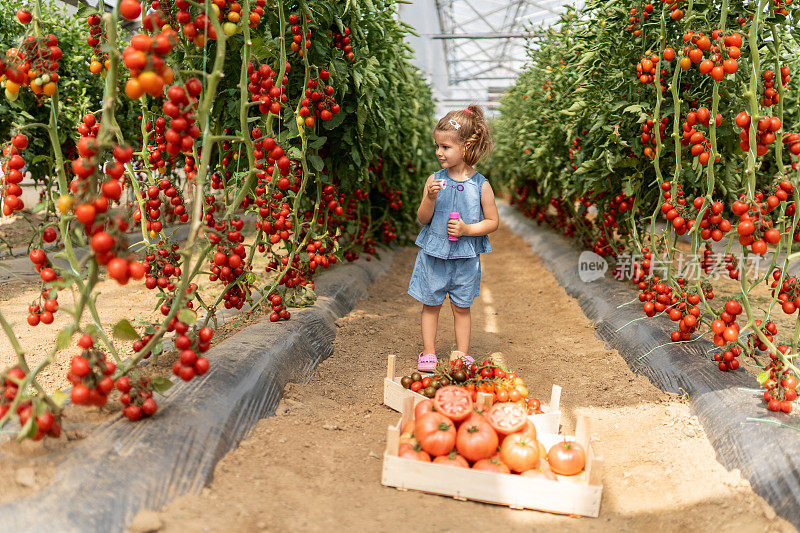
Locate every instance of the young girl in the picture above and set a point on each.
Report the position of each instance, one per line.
(458, 212)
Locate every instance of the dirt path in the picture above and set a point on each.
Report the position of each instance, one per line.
(316, 465)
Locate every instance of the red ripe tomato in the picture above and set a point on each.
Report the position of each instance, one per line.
(205, 334)
(507, 418)
(493, 464)
(476, 439)
(453, 402)
(567, 458)
(542, 471)
(80, 394)
(435, 433)
(201, 366)
(422, 408)
(49, 234)
(425, 382)
(118, 270)
(452, 459)
(79, 366)
(534, 404)
(133, 412)
(406, 451)
(149, 407)
(519, 452)
(416, 386)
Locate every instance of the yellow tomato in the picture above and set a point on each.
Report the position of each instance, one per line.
(64, 203)
(523, 390)
(230, 28)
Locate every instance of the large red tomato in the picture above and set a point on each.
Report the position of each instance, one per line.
(541, 470)
(476, 439)
(453, 402)
(407, 451)
(422, 408)
(435, 433)
(567, 458)
(507, 418)
(492, 464)
(452, 459)
(519, 452)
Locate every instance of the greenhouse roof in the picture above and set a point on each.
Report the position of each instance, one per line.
(472, 50)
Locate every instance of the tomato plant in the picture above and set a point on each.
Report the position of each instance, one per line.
(293, 132)
(637, 124)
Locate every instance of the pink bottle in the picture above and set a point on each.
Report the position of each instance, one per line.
(453, 216)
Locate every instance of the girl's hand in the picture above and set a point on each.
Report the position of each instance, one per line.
(456, 228)
(434, 188)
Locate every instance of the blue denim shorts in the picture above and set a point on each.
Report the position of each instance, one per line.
(434, 278)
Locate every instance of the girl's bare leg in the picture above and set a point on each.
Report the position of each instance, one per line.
(462, 319)
(430, 321)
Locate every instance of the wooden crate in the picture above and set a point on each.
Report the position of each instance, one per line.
(573, 495)
(394, 394)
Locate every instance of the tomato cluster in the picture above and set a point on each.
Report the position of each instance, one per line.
(713, 225)
(137, 398)
(648, 137)
(10, 380)
(780, 383)
(727, 360)
(449, 429)
(180, 106)
(97, 37)
(229, 262)
(44, 423)
(725, 328)
(161, 266)
(767, 127)
(144, 57)
(43, 312)
(262, 86)
(342, 42)
(34, 64)
(297, 35)
(788, 292)
(700, 146)
(755, 229)
(635, 22)
(12, 166)
(190, 363)
(675, 12)
(770, 96)
(724, 52)
(90, 374)
(318, 104)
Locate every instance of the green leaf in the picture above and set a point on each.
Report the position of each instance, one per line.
(187, 316)
(124, 331)
(59, 397)
(763, 377)
(316, 162)
(161, 384)
(64, 338)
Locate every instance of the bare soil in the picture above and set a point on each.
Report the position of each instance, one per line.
(316, 465)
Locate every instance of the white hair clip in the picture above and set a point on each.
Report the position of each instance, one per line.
(455, 124)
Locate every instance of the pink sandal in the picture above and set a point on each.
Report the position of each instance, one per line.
(427, 362)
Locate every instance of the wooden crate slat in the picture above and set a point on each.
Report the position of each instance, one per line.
(504, 489)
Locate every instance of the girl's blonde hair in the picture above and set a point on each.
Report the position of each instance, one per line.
(470, 128)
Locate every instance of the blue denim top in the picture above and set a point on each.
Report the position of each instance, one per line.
(461, 196)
